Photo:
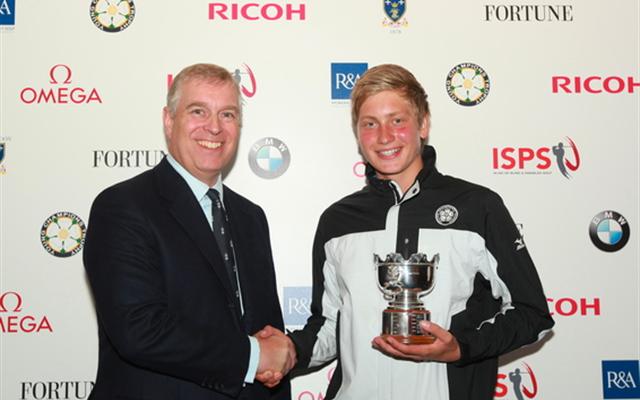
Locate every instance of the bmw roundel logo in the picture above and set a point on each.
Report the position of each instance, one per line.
(609, 231)
(269, 158)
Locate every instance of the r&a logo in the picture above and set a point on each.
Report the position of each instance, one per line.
(343, 77)
(297, 305)
(7, 13)
(621, 379)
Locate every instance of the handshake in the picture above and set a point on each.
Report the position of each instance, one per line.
(277, 356)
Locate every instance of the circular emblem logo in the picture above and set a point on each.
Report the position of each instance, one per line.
(112, 15)
(62, 234)
(446, 215)
(468, 84)
(269, 158)
(609, 231)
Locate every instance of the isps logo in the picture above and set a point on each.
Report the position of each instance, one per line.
(519, 383)
(535, 161)
(13, 320)
(61, 91)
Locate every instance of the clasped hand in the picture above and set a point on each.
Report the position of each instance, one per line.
(277, 356)
(444, 349)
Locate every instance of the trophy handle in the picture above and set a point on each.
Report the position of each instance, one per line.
(434, 261)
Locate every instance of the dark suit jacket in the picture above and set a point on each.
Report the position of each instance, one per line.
(168, 324)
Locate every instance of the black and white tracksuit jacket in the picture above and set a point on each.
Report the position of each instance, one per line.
(487, 292)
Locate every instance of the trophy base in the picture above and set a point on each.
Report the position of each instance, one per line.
(413, 339)
(404, 325)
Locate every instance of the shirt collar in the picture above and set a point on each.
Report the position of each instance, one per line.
(198, 187)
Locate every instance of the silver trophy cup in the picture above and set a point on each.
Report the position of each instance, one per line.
(404, 282)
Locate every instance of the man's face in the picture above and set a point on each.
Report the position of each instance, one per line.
(389, 136)
(203, 134)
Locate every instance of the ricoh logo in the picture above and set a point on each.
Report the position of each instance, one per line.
(344, 77)
(532, 161)
(58, 390)
(13, 320)
(62, 92)
(570, 307)
(519, 383)
(594, 84)
(257, 11)
(621, 379)
(297, 305)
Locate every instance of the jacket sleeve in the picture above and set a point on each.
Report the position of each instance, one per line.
(316, 342)
(127, 275)
(523, 315)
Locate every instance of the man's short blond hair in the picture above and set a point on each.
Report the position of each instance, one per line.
(388, 77)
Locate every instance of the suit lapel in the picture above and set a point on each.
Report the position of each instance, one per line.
(184, 207)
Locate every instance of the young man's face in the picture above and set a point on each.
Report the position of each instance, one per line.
(203, 133)
(389, 136)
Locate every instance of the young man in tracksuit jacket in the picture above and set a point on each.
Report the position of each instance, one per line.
(487, 299)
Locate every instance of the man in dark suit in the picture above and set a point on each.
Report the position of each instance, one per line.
(177, 306)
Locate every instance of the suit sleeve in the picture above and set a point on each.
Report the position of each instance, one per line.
(523, 315)
(316, 342)
(122, 260)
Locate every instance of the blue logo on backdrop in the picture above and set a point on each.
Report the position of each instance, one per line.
(344, 77)
(394, 9)
(297, 304)
(7, 12)
(621, 379)
(2, 146)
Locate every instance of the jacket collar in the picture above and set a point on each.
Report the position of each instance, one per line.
(424, 178)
